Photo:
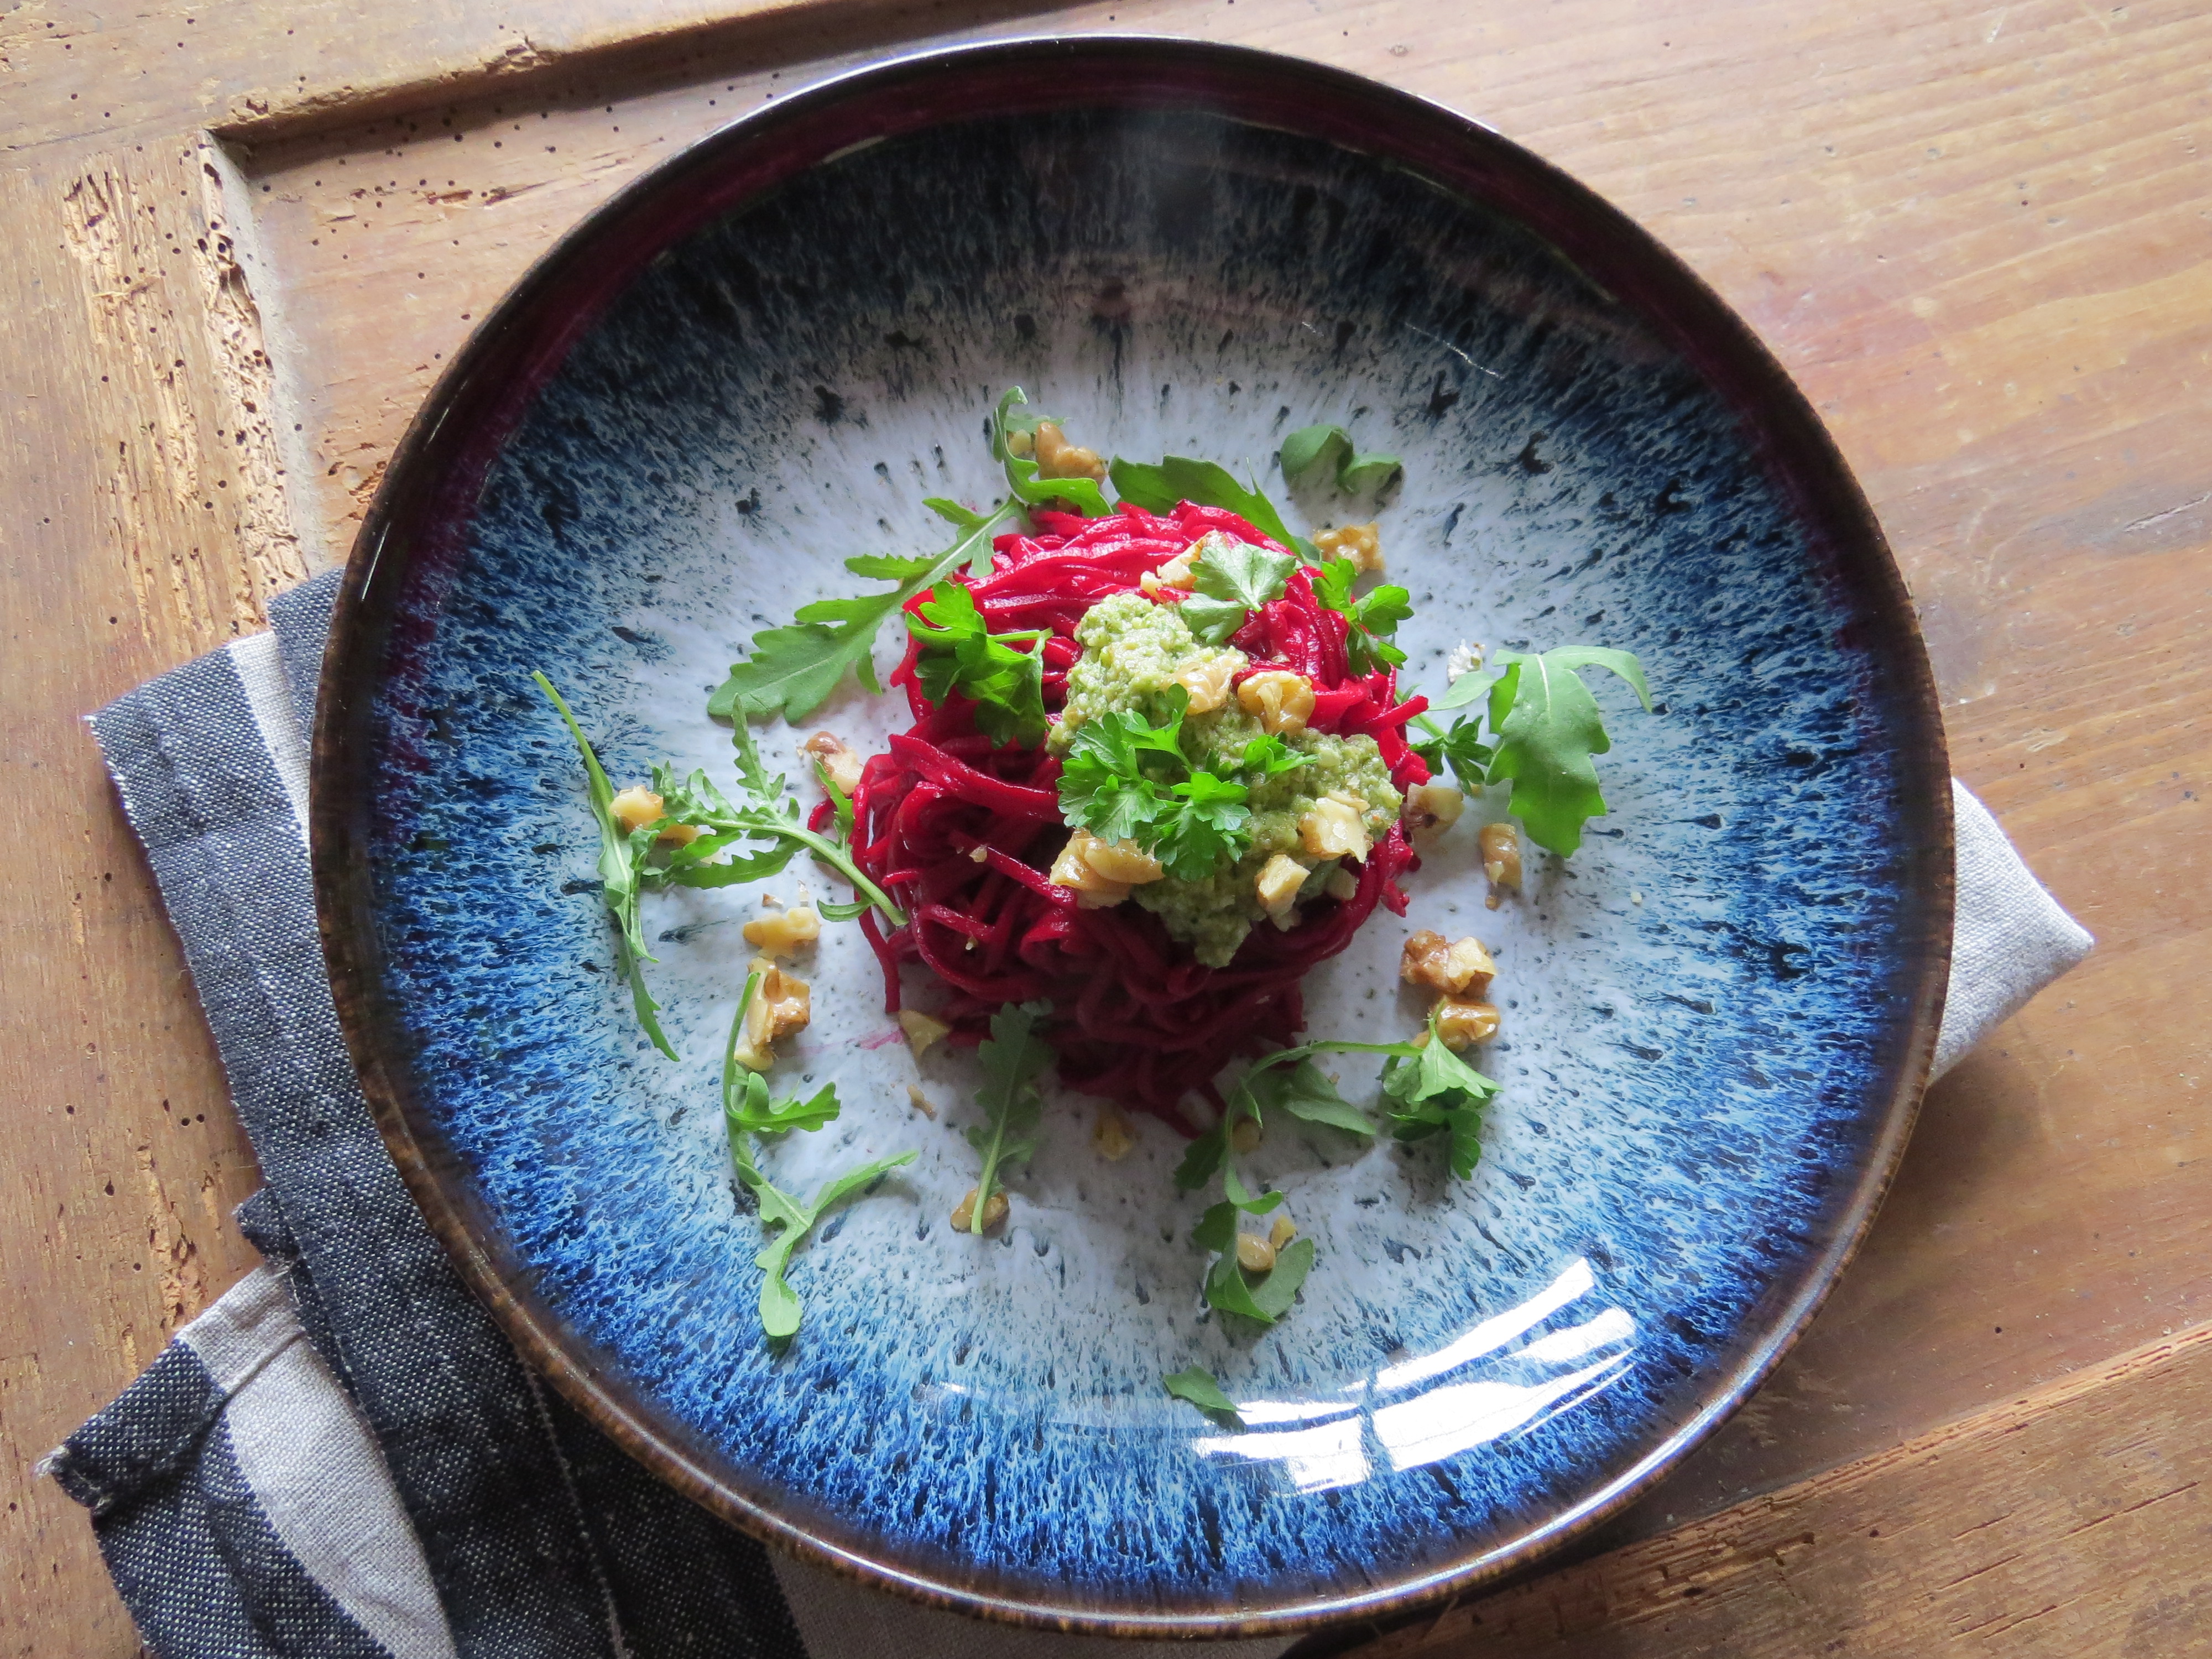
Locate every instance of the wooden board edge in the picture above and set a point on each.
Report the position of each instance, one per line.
(794, 31)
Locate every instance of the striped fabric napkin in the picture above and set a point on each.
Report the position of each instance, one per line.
(343, 1458)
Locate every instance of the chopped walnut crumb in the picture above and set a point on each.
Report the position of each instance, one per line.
(963, 1212)
(1501, 857)
(1461, 968)
(785, 933)
(1432, 808)
(920, 1030)
(636, 807)
(1281, 700)
(840, 764)
(1056, 458)
(1361, 543)
(1335, 828)
(1463, 1022)
(1111, 1135)
(781, 1004)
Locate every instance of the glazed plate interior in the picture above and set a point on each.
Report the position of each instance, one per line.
(1716, 1017)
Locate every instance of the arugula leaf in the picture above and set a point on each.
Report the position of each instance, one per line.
(793, 670)
(1374, 616)
(1198, 1387)
(770, 814)
(952, 513)
(1265, 1298)
(1437, 1092)
(1014, 415)
(1548, 727)
(1014, 1057)
(743, 1104)
(1178, 478)
(622, 863)
(1460, 749)
(841, 804)
(755, 1114)
(1313, 447)
(781, 1310)
(1207, 825)
(960, 653)
(891, 567)
(1471, 687)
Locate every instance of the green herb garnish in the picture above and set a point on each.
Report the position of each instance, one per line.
(1548, 727)
(1198, 1387)
(959, 653)
(1436, 1093)
(1374, 616)
(1178, 478)
(1013, 415)
(769, 816)
(623, 873)
(1328, 451)
(1230, 579)
(1126, 779)
(793, 670)
(635, 862)
(748, 1111)
(1460, 749)
(1013, 1057)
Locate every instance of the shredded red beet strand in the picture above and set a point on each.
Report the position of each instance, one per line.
(961, 833)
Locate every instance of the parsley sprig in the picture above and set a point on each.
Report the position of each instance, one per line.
(1230, 580)
(748, 1111)
(1128, 779)
(1374, 616)
(959, 653)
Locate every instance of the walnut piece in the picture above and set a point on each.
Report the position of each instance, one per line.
(781, 1004)
(839, 763)
(1461, 968)
(1281, 700)
(785, 933)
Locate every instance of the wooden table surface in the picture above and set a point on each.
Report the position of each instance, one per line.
(241, 239)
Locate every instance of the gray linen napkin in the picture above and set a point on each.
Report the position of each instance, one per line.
(343, 1457)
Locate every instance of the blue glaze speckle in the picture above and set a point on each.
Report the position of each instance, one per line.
(1697, 1009)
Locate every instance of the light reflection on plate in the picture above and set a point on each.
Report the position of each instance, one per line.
(1321, 1445)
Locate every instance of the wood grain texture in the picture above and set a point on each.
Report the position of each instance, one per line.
(2077, 1521)
(1976, 234)
(123, 555)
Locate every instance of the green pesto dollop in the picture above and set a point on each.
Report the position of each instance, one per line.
(1133, 650)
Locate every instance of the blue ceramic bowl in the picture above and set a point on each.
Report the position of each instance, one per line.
(755, 362)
